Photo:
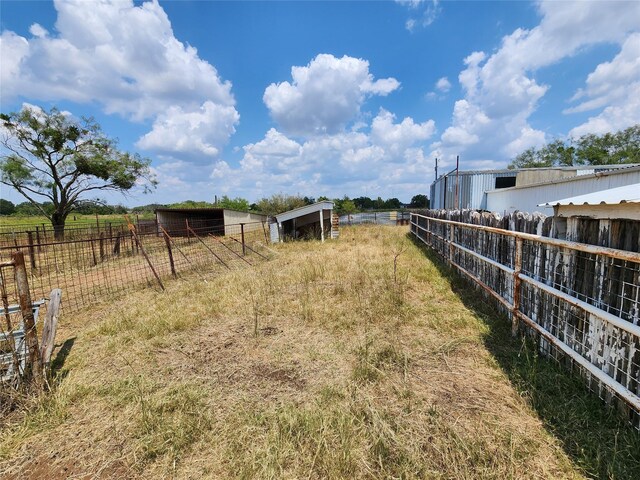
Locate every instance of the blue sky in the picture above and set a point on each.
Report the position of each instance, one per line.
(323, 98)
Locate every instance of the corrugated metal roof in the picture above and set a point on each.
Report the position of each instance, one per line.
(612, 196)
(307, 209)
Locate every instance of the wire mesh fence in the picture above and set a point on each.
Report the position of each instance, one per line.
(581, 301)
(379, 218)
(115, 260)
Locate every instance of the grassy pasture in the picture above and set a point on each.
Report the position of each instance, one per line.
(329, 361)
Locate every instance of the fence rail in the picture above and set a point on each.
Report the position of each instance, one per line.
(583, 301)
(90, 269)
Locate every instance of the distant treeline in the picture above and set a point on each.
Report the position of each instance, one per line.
(273, 205)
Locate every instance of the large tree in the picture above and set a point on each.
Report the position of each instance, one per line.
(607, 149)
(51, 157)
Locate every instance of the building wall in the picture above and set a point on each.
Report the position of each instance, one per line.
(471, 189)
(233, 218)
(526, 199)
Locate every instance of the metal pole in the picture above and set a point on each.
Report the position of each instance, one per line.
(244, 252)
(457, 181)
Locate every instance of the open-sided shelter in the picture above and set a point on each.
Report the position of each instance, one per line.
(310, 221)
(609, 217)
(217, 221)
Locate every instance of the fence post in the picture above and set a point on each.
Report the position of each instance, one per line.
(38, 239)
(32, 253)
(244, 251)
(168, 242)
(7, 316)
(93, 252)
(116, 247)
(517, 268)
(26, 307)
(141, 248)
(101, 246)
(451, 248)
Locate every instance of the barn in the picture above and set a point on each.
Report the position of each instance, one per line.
(217, 221)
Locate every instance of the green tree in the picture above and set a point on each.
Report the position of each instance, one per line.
(363, 203)
(278, 203)
(49, 155)
(607, 149)
(7, 207)
(419, 201)
(238, 203)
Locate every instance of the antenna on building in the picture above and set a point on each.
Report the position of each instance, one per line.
(436, 168)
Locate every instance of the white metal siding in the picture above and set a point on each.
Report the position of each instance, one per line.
(527, 199)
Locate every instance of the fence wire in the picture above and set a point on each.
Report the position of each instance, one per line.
(115, 260)
(582, 302)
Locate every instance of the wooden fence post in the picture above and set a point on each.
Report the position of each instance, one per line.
(33, 360)
(49, 326)
(168, 242)
(451, 248)
(517, 268)
(32, 253)
(7, 316)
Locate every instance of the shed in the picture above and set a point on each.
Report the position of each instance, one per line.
(217, 221)
(310, 221)
(608, 217)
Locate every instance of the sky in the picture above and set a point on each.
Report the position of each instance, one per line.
(326, 98)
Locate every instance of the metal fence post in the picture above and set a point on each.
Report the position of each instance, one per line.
(32, 254)
(168, 242)
(244, 251)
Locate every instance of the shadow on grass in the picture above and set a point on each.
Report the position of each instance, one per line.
(61, 357)
(592, 434)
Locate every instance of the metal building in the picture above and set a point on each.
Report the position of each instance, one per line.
(526, 198)
(504, 190)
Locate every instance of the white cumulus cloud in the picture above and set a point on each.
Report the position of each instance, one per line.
(127, 59)
(324, 96)
(501, 91)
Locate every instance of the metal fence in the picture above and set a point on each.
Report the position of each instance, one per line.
(379, 218)
(582, 301)
(90, 269)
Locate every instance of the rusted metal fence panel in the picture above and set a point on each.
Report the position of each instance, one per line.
(582, 301)
(113, 261)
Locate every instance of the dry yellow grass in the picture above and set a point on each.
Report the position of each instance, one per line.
(322, 363)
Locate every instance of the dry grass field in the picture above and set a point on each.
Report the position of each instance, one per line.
(329, 361)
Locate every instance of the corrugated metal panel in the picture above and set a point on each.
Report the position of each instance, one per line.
(613, 196)
(274, 233)
(471, 189)
(528, 198)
